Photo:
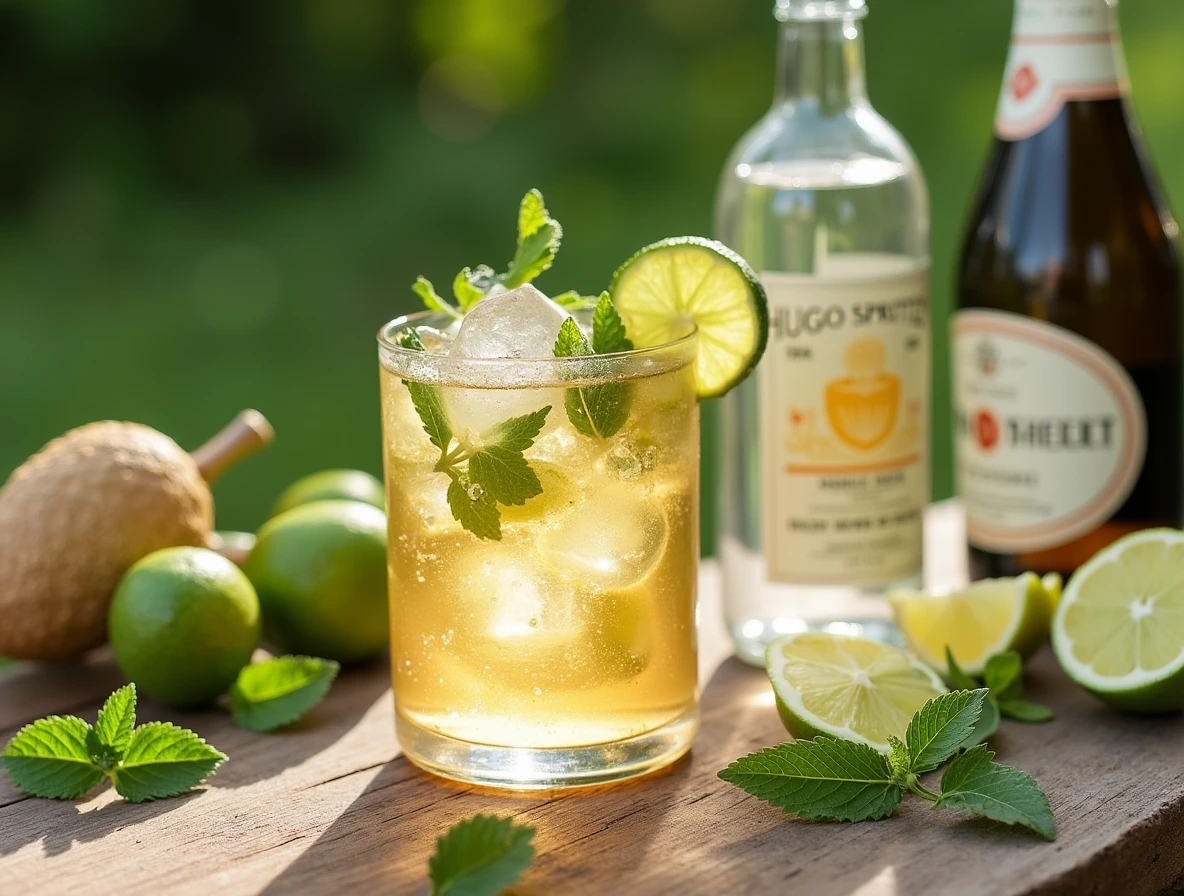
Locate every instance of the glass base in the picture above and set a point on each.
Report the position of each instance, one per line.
(524, 768)
(752, 635)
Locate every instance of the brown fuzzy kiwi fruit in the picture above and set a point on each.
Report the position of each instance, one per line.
(77, 514)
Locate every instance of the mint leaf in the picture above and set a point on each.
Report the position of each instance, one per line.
(163, 760)
(571, 341)
(573, 300)
(50, 758)
(608, 330)
(959, 679)
(539, 236)
(498, 466)
(427, 400)
(466, 292)
(409, 339)
(975, 783)
(429, 404)
(117, 719)
(598, 411)
(423, 288)
(820, 778)
(1003, 672)
(1004, 675)
(504, 474)
(517, 433)
(987, 724)
(941, 726)
(480, 856)
(595, 411)
(278, 691)
(1022, 710)
(474, 508)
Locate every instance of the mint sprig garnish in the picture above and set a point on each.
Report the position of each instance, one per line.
(62, 757)
(597, 411)
(539, 236)
(480, 856)
(1003, 676)
(828, 778)
(278, 691)
(423, 288)
(489, 471)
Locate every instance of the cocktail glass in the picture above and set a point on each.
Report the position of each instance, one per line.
(559, 650)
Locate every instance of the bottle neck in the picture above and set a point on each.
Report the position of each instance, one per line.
(821, 63)
(1061, 51)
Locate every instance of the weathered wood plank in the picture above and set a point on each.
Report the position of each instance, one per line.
(329, 806)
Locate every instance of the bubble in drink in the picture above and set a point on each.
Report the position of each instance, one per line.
(585, 546)
(518, 323)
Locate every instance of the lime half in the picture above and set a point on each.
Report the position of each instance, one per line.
(1119, 628)
(847, 687)
(688, 278)
(988, 617)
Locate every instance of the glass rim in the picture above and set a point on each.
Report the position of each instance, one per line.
(543, 368)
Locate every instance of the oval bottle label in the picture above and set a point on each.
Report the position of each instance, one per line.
(1061, 50)
(1050, 431)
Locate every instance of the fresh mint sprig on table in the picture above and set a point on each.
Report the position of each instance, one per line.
(480, 856)
(1003, 676)
(62, 757)
(278, 691)
(838, 780)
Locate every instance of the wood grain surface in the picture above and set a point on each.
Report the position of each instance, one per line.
(329, 806)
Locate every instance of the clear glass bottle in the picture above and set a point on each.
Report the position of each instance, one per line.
(824, 463)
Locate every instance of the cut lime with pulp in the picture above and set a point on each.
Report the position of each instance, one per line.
(691, 279)
(1119, 628)
(988, 617)
(846, 687)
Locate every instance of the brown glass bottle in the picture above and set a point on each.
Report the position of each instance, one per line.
(1069, 230)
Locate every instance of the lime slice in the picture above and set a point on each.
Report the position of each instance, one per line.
(688, 278)
(1053, 584)
(988, 617)
(847, 687)
(1119, 628)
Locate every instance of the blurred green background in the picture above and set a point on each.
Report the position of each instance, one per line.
(211, 205)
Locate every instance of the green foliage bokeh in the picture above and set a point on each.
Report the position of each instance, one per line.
(211, 205)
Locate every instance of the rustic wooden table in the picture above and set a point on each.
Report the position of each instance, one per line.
(330, 806)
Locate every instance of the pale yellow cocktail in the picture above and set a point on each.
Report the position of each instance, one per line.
(560, 648)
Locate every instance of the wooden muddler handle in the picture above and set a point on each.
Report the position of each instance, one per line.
(239, 439)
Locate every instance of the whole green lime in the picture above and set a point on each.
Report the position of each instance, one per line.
(320, 571)
(331, 485)
(183, 623)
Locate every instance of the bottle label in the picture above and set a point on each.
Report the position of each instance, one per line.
(1061, 50)
(844, 392)
(1050, 431)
